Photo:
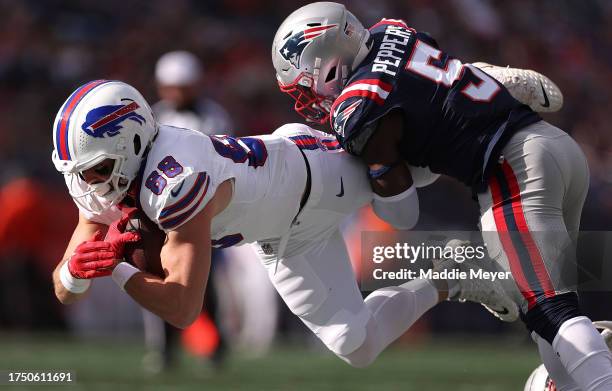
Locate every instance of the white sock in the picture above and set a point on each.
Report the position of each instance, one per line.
(584, 354)
(556, 370)
(394, 309)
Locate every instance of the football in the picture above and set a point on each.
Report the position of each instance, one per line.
(145, 254)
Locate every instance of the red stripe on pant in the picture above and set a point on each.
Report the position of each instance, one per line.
(525, 236)
(506, 241)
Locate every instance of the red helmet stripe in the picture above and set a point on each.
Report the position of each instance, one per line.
(319, 28)
(114, 115)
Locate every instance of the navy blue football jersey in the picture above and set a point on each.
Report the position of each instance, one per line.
(456, 117)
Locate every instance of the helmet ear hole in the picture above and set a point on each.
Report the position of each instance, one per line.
(331, 75)
(137, 144)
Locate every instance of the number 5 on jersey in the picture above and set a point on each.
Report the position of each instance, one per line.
(425, 61)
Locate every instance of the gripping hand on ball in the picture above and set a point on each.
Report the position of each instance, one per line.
(116, 234)
(93, 258)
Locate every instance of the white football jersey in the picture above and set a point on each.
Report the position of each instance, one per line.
(184, 168)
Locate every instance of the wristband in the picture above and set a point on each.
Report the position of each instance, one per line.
(375, 174)
(71, 283)
(122, 273)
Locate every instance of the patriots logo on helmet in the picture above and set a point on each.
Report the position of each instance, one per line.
(295, 45)
(106, 120)
(341, 115)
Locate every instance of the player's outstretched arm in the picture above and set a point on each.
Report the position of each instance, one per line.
(395, 198)
(185, 258)
(381, 154)
(77, 288)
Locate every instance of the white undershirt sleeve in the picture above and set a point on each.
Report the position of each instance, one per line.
(400, 210)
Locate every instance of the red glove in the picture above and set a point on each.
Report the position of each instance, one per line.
(97, 257)
(93, 258)
(116, 234)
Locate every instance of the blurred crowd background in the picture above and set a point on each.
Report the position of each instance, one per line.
(48, 48)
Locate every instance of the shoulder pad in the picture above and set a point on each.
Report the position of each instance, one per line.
(360, 103)
(181, 199)
(184, 200)
(387, 22)
(428, 39)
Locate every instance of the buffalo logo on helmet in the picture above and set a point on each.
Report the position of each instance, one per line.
(106, 120)
(295, 45)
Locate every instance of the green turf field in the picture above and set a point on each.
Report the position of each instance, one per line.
(115, 365)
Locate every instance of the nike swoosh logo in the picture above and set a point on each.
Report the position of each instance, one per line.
(177, 190)
(546, 101)
(341, 189)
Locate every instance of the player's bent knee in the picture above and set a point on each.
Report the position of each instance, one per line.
(547, 316)
(360, 359)
(363, 356)
(345, 332)
(368, 350)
